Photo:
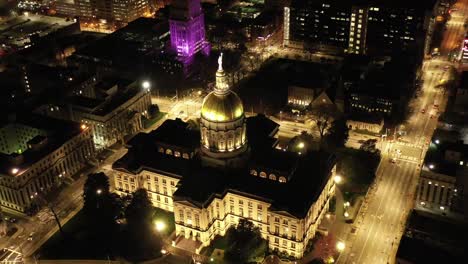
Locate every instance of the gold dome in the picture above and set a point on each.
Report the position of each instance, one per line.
(222, 107)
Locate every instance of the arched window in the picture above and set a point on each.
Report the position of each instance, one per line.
(253, 172)
(263, 174)
(168, 152)
(272, 177)
(176, 153)
(161, 149)
(185, 156)
(282, 179)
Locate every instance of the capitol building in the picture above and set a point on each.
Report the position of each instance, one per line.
(226, 169)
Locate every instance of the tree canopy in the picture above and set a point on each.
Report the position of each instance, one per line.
(245, 243)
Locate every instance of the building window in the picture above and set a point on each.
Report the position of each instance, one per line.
(253, 172)
(282, 179)
(185, 156)
(263, 174)
(177, 154)
(168, 152)
(161, 150)
(272, 177)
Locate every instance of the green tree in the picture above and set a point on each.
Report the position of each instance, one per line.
(141, 240)
(153, 110)
(95, 188)
(337, 134)
(245, 243)
(101, 207)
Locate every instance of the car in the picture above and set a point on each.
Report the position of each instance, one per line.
(13, 220)
(423, 111)
(31, 236)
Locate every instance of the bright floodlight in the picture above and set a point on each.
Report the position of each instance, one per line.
(346, 214)
(163, 251)
(160, 226)
(340, 246)
(14, 170)
(431, 166)
(337, 179)
(300, 145)
(437, 141)
(146, 85)
(83, 126)
(98, 191)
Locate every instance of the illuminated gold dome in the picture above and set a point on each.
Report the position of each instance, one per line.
(222, 107)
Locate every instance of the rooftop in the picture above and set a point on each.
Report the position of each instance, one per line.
(201, 184)
(57, 131)
(445, 157)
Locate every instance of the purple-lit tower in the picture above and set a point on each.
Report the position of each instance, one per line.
(187, 28)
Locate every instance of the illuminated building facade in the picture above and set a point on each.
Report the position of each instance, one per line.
(117, 115)
(42, 153)
(464, 53)
(359, 27)
(123, 11)
(187, 171)
(187, 27)
(222, 122)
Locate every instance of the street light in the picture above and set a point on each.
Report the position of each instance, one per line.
(340, 245)
(146, 85)
(160, 226)
(338, 179)
(98, 191)
(300, 145)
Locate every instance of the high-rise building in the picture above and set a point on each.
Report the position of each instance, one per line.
(359, 27)
(187, 27)
(316, 24)
(122, 11)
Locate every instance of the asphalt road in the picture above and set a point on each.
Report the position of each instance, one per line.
(381, 223)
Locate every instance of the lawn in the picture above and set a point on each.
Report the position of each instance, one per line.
(167, 218)
(149, 122)
(77, 243)
(219, 242)
(358, 168)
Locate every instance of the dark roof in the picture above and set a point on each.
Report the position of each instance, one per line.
(150, 159)
(463, 80)
(418, 252)
(176, 133)
(260, 131)
(86, 102)
(439, 228)
(372, 118)
(295, 196)
(200, 184)
(58, 132)
(283, 161)
(436, 155)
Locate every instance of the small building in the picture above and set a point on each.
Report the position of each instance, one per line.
(361, 121)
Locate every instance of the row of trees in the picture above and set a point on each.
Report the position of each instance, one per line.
(136, 239)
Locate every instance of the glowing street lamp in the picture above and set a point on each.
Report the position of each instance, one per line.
(14, 170)
(300, 145)
(159, 226)
(431, 166)
(340, 246)
(338, 179)
(98, 191)
(146, 85)
(346, 214)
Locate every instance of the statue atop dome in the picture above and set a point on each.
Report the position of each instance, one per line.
(220, 62)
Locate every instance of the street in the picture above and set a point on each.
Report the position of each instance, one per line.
(382, 220)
